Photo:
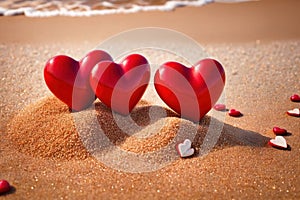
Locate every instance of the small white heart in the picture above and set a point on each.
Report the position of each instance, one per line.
(295, 111)
(189, 152)
(279, 141)
(186, 145)
(184, 149)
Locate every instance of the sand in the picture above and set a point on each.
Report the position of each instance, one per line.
(215, 23)
(43, 154)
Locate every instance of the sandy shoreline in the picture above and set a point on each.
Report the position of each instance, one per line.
(261, 76)
(214, 23)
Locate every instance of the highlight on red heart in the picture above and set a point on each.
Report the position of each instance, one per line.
(191, 92)
(121, 86)
(279, 131)
(4, 186)
(68, 79)
(220, 107)
(234, 113)
(295, 98)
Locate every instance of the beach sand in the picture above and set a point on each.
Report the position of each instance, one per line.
(42, 149)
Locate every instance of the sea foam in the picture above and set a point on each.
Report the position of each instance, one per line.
(78, 9)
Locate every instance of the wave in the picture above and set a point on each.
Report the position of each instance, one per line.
(84, 8)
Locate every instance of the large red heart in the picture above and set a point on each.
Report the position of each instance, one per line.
(191, 92)
(121, 86)
(68, 79)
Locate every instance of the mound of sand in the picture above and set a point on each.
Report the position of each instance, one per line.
(47, 129)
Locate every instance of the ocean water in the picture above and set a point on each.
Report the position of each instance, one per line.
(47, 8)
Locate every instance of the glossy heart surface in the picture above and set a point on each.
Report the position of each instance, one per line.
(121, 86)
(4, 186)
(279, 131)
(234, 113)
(220, 107)
(295, 98)
(191, 92)
(68, 79)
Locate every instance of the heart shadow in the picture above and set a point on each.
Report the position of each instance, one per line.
(11, 191)
(288, 148)
(151, 127)
(48, 129)
(123, 127)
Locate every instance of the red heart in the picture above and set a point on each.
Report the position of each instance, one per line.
(68, 79)
(220, 107)
(295, 98)
(234, 113)
(279, 131)
(4, 186)
(121, 86)
(191, 92)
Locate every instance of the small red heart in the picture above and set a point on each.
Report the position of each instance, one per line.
(4, 186)
(68, 79)
(234, 113)
(121, 86)
(220, 107)
(295, 98)
(191, 92)
(279, 131)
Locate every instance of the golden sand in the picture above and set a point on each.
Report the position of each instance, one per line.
(46, 129)
(262, 73)
(240, 165)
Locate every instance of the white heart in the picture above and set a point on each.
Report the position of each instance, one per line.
(184, 149)
(279, 141)
(296, 111)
